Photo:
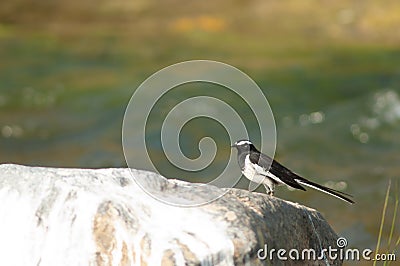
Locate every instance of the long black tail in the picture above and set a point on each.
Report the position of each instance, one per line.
(330, 191)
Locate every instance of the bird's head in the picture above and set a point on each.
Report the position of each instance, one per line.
(244, 146)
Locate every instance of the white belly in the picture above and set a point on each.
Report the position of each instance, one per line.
(253, 174)
(250, 172)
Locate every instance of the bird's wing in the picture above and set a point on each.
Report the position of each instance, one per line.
(271, 168)
(294, 180)
(286, 175)
(275, 170)
(261, 162)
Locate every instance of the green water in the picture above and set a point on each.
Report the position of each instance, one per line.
(337, 112)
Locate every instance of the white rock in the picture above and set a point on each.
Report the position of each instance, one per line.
(54, 216)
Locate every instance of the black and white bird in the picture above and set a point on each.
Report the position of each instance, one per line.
(261, 168)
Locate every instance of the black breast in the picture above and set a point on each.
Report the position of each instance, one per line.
(241, 160)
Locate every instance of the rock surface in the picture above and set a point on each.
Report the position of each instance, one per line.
(57, 216)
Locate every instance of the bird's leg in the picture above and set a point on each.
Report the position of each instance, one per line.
(272, 189)
(269, 190)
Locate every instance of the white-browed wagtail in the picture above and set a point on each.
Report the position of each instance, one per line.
(261, 168)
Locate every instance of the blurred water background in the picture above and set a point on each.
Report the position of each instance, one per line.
(330, 70)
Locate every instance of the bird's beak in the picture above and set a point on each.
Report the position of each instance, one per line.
(233, 145)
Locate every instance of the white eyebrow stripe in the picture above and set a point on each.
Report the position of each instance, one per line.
(242, 142)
